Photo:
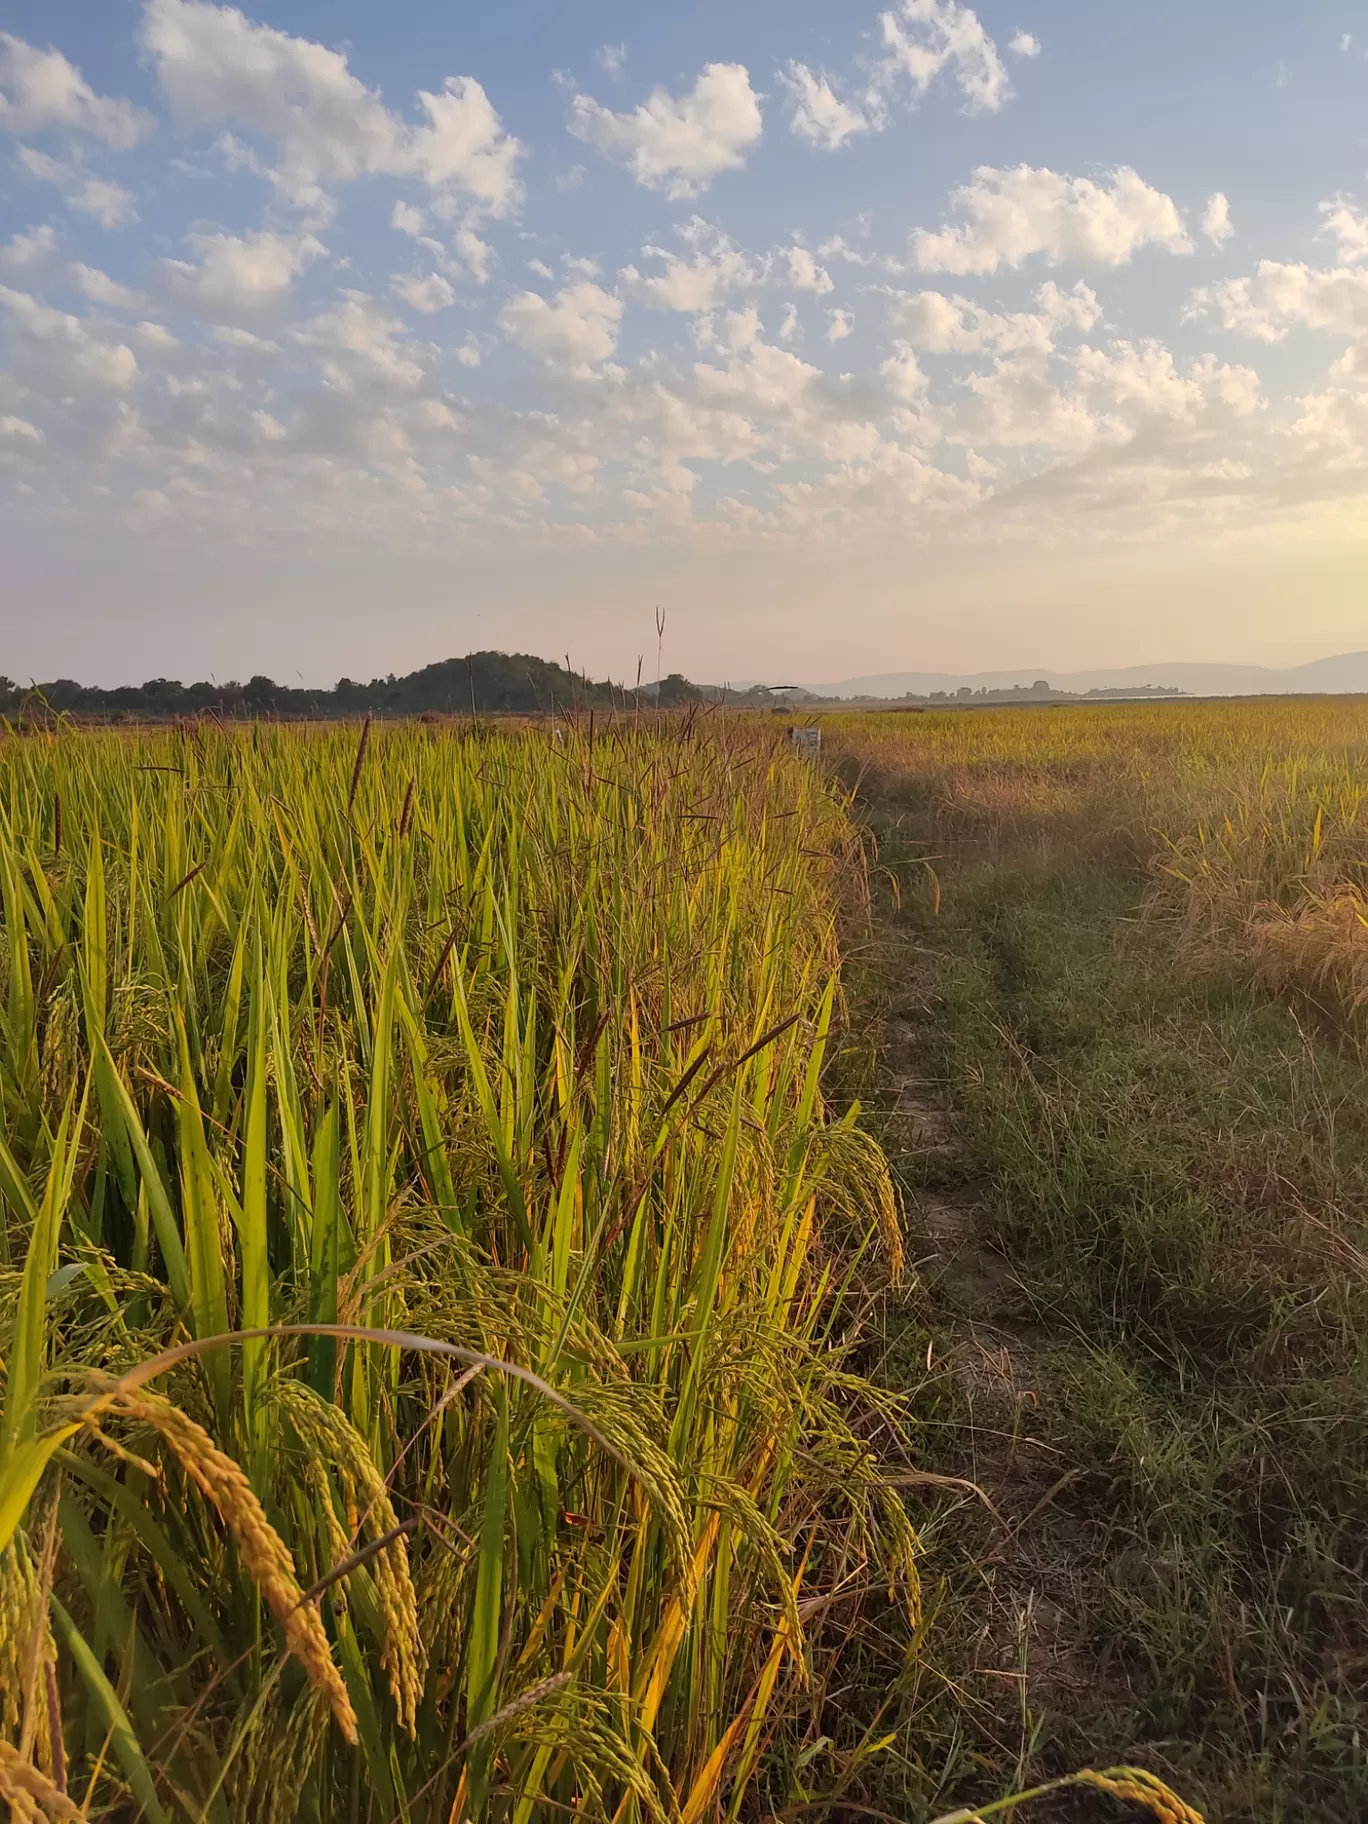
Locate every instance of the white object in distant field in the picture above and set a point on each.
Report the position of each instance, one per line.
(806, 740)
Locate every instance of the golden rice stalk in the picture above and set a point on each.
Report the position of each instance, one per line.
(627, 1415)
(27, 1791)
(520, 1705)
(1133, 1785)
(1319, 947)
(335, 1440)
(339, 1546)
(28, 1654)
(445, 1577)
(285, 1743)
(586, 1730)
(262, 1550)
(1138, 1787)
(18, 1587)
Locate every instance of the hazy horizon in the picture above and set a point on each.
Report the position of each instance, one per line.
(926, 336)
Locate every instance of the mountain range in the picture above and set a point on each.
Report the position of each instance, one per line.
(1346, 671)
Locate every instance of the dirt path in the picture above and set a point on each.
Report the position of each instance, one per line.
(1018, 1563)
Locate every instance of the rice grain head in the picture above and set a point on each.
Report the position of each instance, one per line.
(334, 1440)
(263, 1552)
(288, 1739)
(28, 1791)
(1137, 1787)
(18, 1585)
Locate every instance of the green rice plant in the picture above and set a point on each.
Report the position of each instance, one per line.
(424, 1270)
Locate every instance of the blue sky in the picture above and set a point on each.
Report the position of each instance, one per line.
(339, 339)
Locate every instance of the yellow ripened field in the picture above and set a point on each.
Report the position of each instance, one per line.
(458, 1362)
(484, 1072)
(1123, 950)
(1251, 815)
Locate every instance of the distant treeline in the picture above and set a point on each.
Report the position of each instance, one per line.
(482, 683)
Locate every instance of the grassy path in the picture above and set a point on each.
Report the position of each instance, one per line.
(1136, 1194)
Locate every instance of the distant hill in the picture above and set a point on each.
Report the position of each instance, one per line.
(492, 683)
(482, 682)
(1347, 671)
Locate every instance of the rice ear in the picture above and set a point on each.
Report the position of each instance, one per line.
(28, 1791)
(331, 1438)
(264, 1554)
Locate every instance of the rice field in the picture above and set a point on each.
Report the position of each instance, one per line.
(434, 1268)
(426, 1268)
(1120, 956)
(1251, 816)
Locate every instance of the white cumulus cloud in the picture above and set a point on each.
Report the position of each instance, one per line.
(804, 274)
(575, 330)
(696, 284)
(217, 66)
(40, 89)
(818, 112)
(71, 353)
(18, 432)
(312, 411)
(427, 292)
(678, 144)
(237, 274)
(1145, 381)
(924, 39)
(365, 339)
(902, 376)
(762, 395)
(101, 289)
(25, 255)
(111, 204)
(477, 254)
(1012, 214)
(1279, 295)
(939, 324)
(1216, 222)
(1349, 226)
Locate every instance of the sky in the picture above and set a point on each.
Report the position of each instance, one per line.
(338, 339)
